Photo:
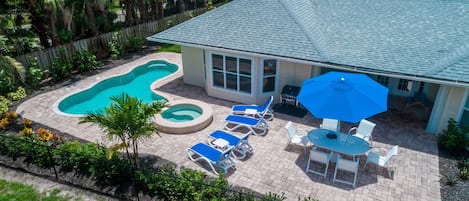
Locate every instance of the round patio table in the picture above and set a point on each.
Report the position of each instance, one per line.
(343, 143)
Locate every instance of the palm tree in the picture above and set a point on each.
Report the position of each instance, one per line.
(12, 73)
(128, 120)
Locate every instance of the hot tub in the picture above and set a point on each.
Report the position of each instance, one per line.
(184, 116)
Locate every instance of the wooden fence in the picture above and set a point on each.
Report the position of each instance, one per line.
(100, 43)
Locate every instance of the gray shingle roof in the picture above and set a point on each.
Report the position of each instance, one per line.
(428, 38)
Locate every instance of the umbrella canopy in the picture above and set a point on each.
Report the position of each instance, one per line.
(348, 97)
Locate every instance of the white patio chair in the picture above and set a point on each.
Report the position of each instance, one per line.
(319, 157)
(293, 138)
(364, 130)
(330, 124)
(382, 161)
(347, 166)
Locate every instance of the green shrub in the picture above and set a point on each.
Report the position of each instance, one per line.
(464, 163)
(85, 61)
(8, 146)
(464, 173)
(161, 183)
(453, 138)
(450, 180)
(134, 43)
(5, 47)
(35, 73)
(113, 171)
(4, 104)
(464, 169)
(90, 158)
(61, 68)
(65, 36)
(77, 156)
(19, 94)
(115, 48)
(33, 149)
(188, 184)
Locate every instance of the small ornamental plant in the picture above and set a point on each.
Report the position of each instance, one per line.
(27, 123)
(7, 119)
(26, 132)
(4, 122)
(44, 134)
(12, 115)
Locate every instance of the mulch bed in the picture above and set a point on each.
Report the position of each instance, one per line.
(449, 168)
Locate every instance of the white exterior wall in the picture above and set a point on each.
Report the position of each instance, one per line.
(292, 74)
(447, 105)
(193, 66)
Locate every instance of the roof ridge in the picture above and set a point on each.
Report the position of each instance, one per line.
(308, 34)
(453, 57)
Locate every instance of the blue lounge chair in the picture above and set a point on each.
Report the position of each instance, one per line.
(241, 109)
(257, 126)
(220, 159)
(240, 144)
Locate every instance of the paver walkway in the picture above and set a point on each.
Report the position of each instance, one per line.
(273, 167)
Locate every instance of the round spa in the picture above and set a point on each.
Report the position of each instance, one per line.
(184, 116)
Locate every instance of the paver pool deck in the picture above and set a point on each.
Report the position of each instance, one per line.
(273, 166)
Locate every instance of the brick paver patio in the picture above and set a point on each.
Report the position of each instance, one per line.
(273, 167)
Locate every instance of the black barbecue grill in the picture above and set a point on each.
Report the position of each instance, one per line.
(289, 95)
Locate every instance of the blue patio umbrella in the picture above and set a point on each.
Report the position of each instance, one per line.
(348, 97)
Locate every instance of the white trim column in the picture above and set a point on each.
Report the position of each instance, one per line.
(437, 111)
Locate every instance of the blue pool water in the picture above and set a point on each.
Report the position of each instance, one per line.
(182, 113)
(135, 83)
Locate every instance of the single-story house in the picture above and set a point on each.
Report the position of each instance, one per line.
(248, 50)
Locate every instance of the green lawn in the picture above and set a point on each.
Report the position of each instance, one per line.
(17, 191)
(169, 48)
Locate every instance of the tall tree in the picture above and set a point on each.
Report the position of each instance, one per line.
(89, 10)
(181, 5)
(38, 20)
(52, 7)
(156, 9)
(128, 120)
(143, 7)
(130, 14)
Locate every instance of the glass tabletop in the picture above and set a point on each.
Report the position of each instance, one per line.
(338, 142)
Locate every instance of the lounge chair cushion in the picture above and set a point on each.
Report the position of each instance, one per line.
(257, 126)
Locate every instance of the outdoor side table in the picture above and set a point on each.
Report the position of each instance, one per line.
(220, 143)
(250, 112)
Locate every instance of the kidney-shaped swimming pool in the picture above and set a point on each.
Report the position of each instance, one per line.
(136, 83)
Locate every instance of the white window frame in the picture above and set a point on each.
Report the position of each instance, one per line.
(383, 80)
(261, 84)
(238, 75)
(403, 86)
